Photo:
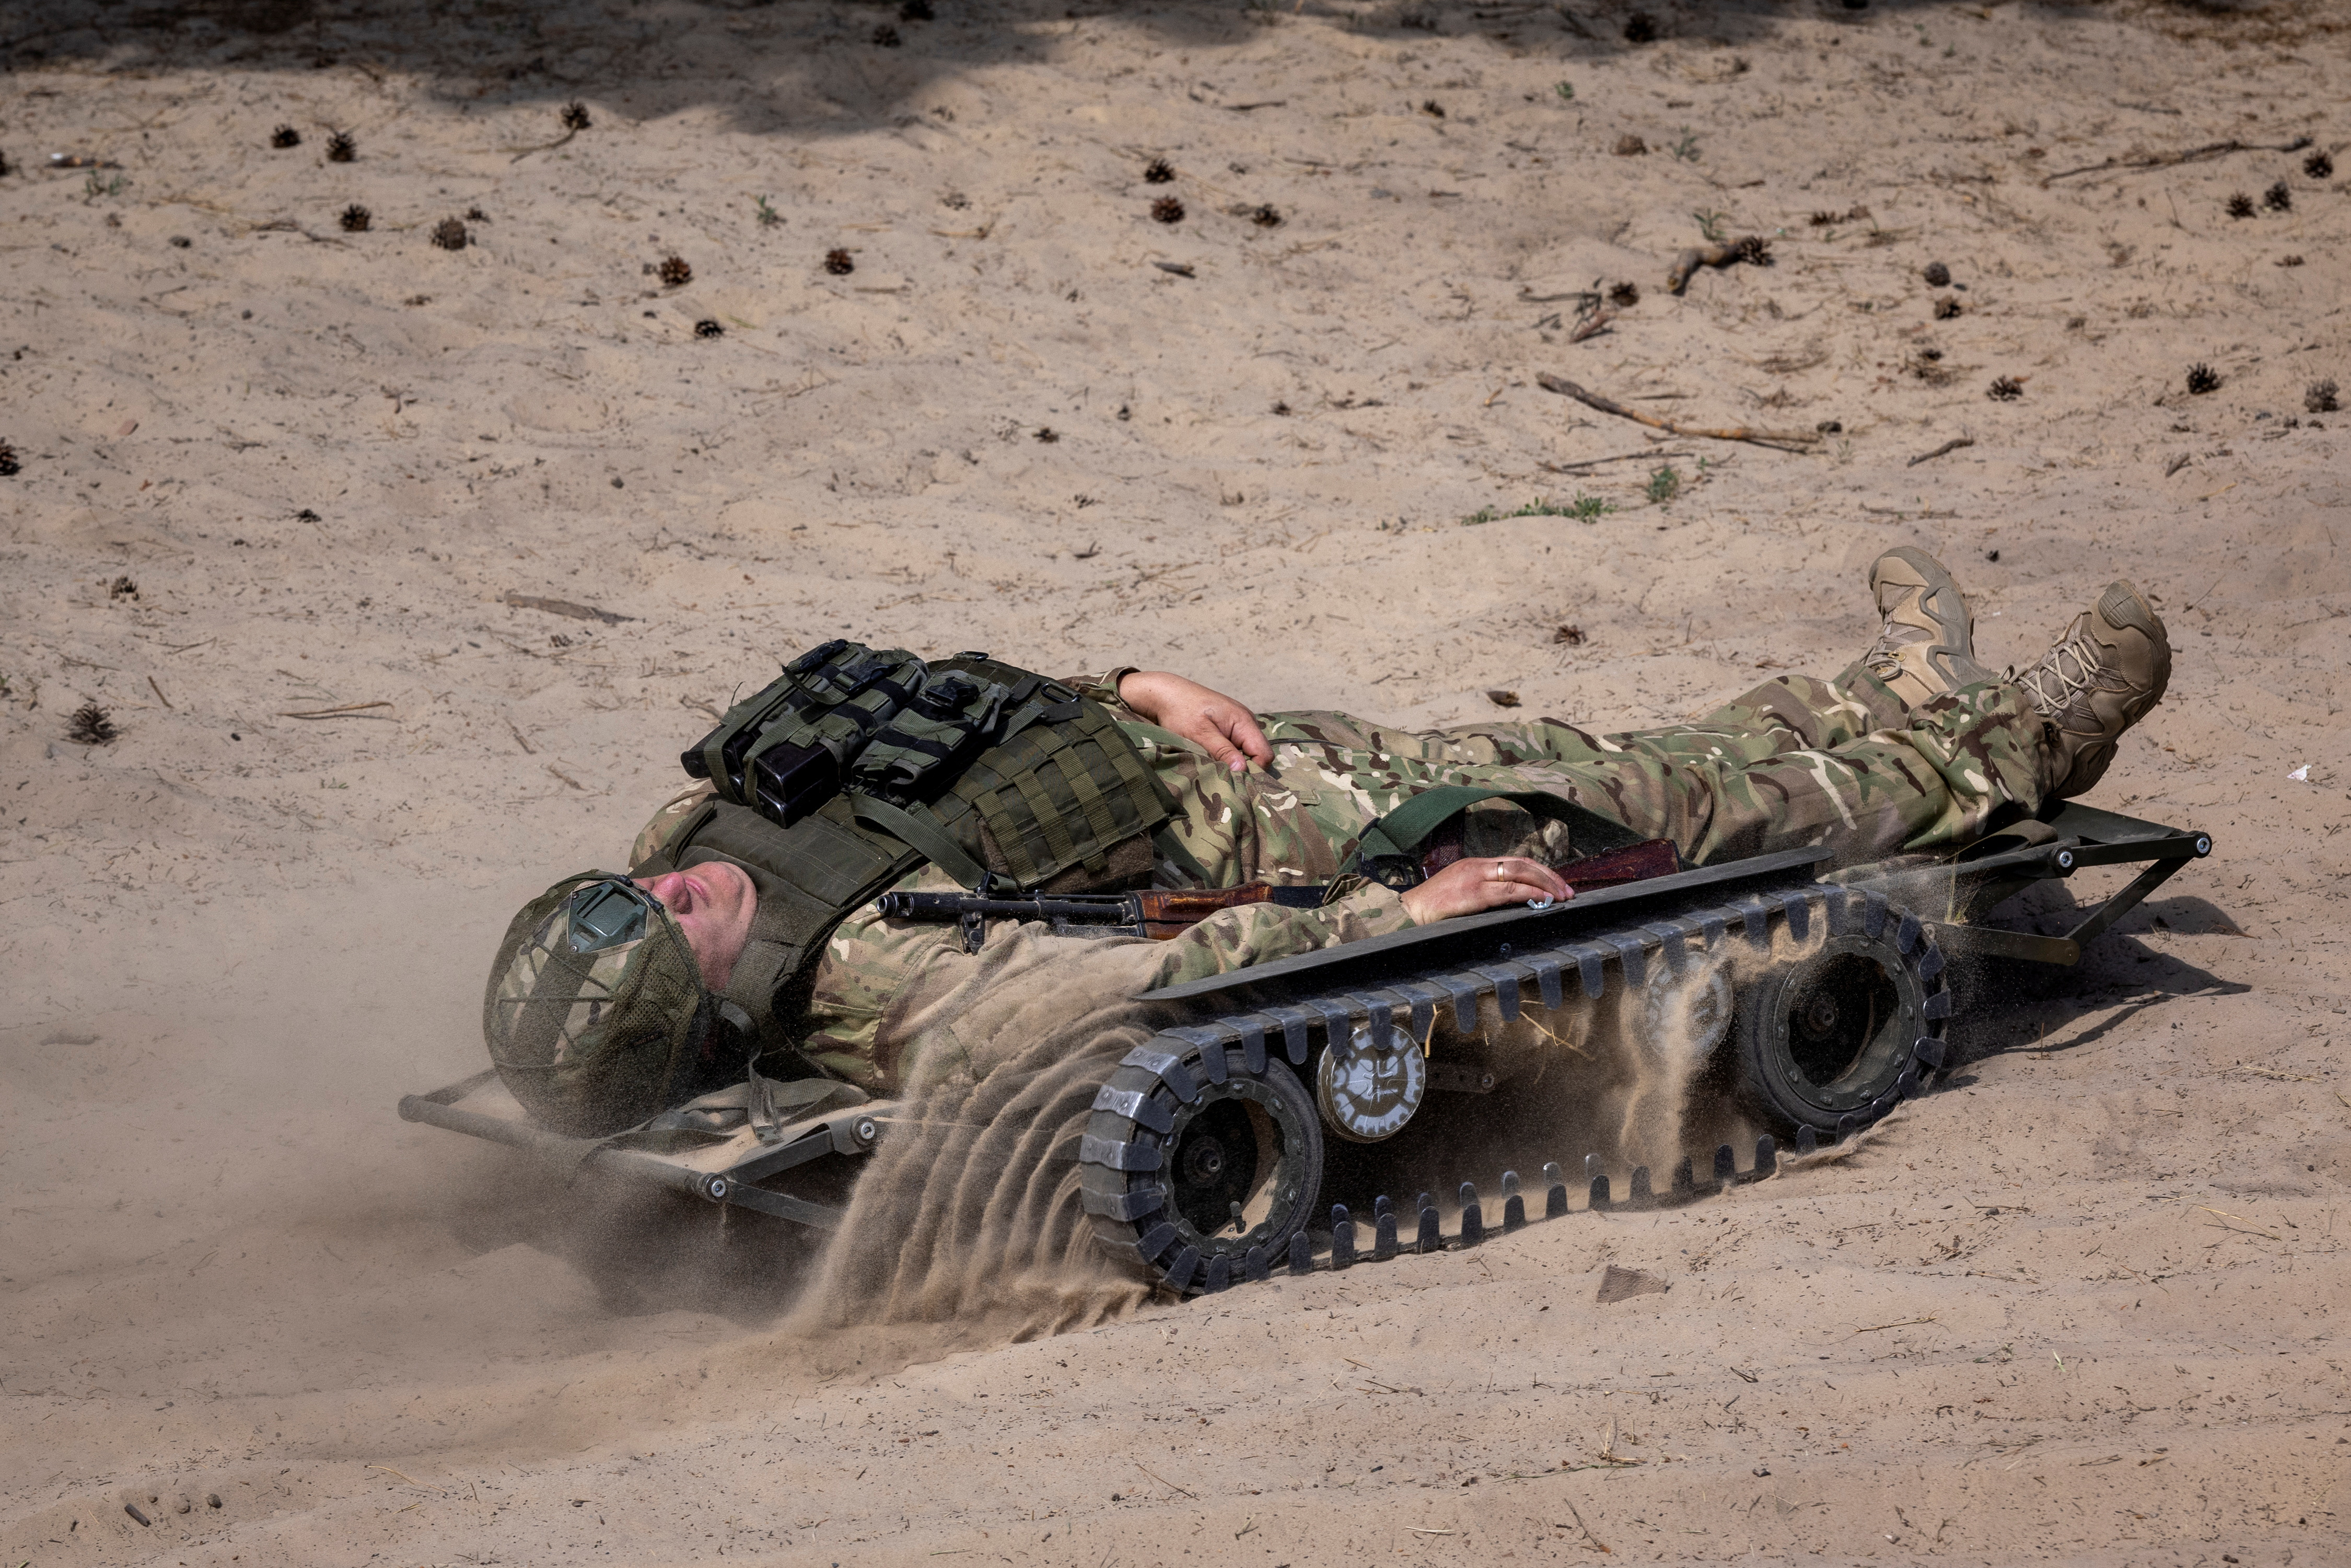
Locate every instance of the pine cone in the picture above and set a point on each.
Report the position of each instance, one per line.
(673, 272)
(342, 147)
(356, 219)
(450, 235)
(90, 725)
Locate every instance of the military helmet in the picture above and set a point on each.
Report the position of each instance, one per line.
(595, 1013)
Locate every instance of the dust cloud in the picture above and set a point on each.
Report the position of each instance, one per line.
(970, 1212)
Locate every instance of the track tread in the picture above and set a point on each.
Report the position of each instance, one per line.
(1120, 1154)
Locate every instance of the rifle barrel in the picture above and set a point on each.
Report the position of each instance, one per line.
(1102, 908)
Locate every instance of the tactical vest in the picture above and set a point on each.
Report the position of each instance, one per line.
(855, 767)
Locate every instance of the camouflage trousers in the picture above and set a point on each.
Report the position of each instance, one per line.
(1796, 761)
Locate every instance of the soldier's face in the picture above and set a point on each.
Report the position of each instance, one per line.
(712, 904)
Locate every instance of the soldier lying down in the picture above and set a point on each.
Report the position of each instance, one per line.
(1913, 747)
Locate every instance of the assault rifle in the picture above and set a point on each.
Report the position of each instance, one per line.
(1155, 913)
(1161, 914)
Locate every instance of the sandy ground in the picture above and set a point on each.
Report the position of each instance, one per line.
(2078, 1306)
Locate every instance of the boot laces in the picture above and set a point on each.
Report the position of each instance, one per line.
(1883, 657)
(2065, 672)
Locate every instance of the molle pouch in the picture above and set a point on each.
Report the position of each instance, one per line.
(720, 756)
(927, 744)
(800, 763)
(786, 749)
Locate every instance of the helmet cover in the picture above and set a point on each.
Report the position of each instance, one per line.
(595, 1010)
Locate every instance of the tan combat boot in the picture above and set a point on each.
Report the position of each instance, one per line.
(2104, 673)
(1926, 646)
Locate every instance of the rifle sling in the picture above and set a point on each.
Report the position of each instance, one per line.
(1401, 830)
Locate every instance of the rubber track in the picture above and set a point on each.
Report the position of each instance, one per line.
(1120, 1154)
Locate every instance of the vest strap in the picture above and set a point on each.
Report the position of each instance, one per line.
(927, 836)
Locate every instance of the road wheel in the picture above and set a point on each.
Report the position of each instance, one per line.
(1845, 1029)
(1191, 1174)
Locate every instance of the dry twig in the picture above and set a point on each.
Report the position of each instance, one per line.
(565, 607)
(2192, 156)
(1781, 438)
(1649, 456)
(1755, 250)
(349, 710)
(1163, 1481)
(1952, 445)
(1591, 326)
(1595, 1543)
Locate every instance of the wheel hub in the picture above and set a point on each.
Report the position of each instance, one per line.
(1204, 1161)
(1819, 1019)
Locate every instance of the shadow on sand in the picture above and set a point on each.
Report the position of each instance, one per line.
(818, 69)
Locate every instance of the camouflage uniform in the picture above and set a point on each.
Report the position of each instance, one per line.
(1795, 761)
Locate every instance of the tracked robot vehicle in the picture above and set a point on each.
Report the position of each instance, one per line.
(1249, 1136)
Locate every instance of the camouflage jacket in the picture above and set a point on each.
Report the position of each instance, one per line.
(1295, 822)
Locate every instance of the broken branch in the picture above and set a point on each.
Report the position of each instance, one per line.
(1754, 250)
(1795, 438)
(2192, 156)
(565, 607)
(1952, 445)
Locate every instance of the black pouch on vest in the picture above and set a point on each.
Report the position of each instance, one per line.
(787, 748)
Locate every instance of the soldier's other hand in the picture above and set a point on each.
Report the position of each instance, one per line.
(1470, 887)
(1222, 727)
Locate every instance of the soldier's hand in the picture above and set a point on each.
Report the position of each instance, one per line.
(1469, 886)
(1225, 730)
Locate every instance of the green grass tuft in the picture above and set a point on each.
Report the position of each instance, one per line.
(1584, 508)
